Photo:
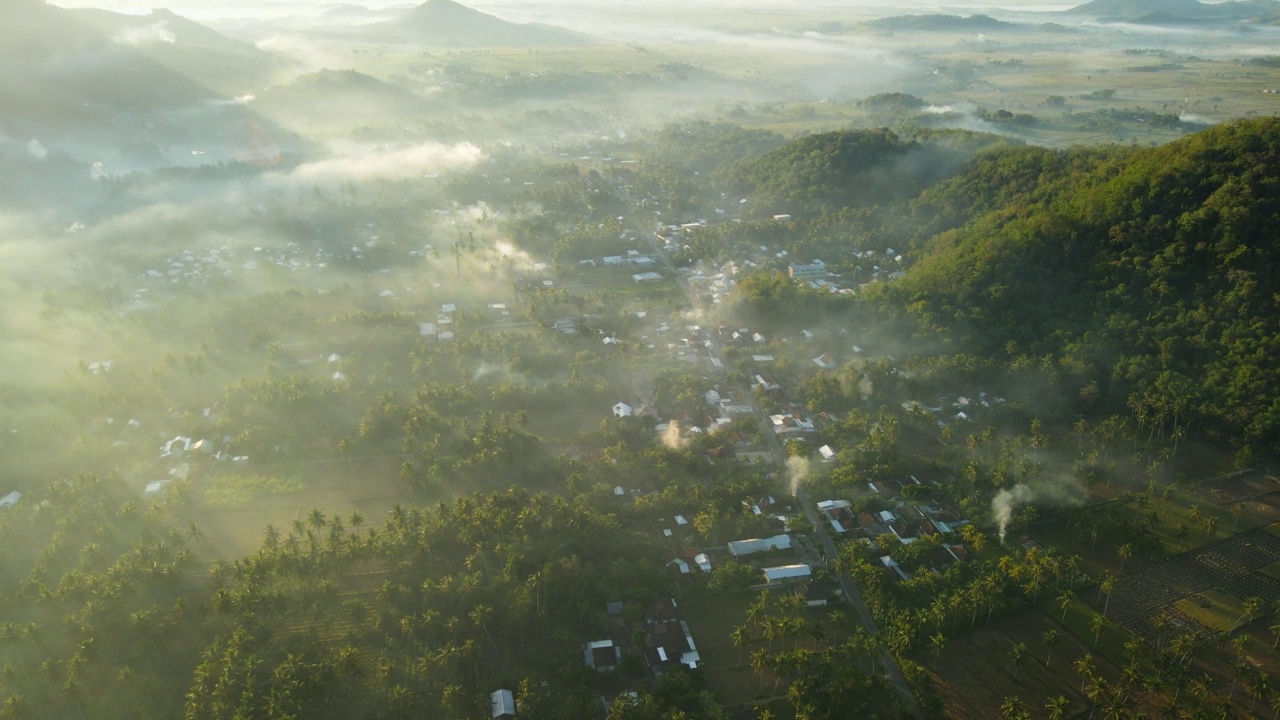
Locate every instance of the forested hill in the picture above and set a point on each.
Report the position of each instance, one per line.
(1156, 268)
(851, 168)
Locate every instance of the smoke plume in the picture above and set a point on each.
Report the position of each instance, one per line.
(146, 34)
(797, 471)
(1009, 500)
(671, 436)
(412, 162)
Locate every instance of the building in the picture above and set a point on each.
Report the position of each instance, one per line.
(10, 500)
(623, 410)
(603, 656)
(739, 548)
(828, 455)
(646, 278)
(785, 574)
(813, 271)
(703, 562)
(502, 704)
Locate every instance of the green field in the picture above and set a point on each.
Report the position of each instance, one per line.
(1215, 610)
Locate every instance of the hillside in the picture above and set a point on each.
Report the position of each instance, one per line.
(1152, 268)
(941, 23)
(1167, 10)
(57, 62)
(337, 92)
(445, 23)
(851, 168)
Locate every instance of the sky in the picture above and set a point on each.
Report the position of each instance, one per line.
(543, 10)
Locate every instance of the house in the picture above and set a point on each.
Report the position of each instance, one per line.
(892, 566)
(678, 567)
(825, 361)
(703, 562)
(623, 410)
(815, 270)
(646, 278)
(176, 446)
(10, 500)
(785, 574)
(740, 548)
(427, 329)
(603, 656)
(828, 455)
(155, 487)
(502, 704)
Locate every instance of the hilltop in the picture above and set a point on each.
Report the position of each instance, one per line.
(1150, 264)
(941, 23)
(445, 23)
(1176, 10)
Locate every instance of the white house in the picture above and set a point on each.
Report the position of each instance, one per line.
(704, 562)
(10, 500)
(828, 455)
(623, 410)
(502, 704)
(738, 548)
(786, 573)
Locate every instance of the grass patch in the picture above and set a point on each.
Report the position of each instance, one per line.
(233, 491)
(1213, 609)
(1272, 571)
(1273, 528)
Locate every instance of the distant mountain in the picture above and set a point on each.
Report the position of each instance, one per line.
(1176, 11)
(941, 23)
(445, 23)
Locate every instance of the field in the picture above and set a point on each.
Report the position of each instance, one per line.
(1231, 566)
(975, 672)
(1218, 611)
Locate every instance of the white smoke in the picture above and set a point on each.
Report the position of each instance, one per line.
(37, 150)
(1192, 119)
(1007, 501)
(146, 34)
(671, 436)
(797, 472)
(402, 164)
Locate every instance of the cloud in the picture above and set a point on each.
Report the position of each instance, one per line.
(37, 149)
(402, 164)
(146, 35)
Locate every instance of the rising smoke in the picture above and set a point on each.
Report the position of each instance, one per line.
(1059, 493)
(797, 472)
(671, 436)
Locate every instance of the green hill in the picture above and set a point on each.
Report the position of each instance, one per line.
(1154, 268)
(445, 23)
(849, 168)
(941, 23)
(1173, 10)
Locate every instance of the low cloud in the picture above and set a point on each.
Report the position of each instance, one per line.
(402, 164)
(146, 35)
(37, 150)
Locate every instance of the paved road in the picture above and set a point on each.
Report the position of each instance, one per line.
(851, 593)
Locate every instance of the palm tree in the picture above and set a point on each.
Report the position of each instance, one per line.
(1259, 686)
(1064, 601)
(1017, 654)
(1050, 639)
(1095, 626)
(1250, 607)
(1237, 511)
(1124, 552)
(316, 518)
(271, 536)
(1107, 585)
(1084, 668)
(740, 636)
(355, 519)
(938, 642)
(1011, 708)
(1056, 707)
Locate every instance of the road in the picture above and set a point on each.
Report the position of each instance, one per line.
(850, 590)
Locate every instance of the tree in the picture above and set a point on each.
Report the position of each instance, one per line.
(1050, 639)
(1084, 668)
(1095, 626)
(1056, 707)
(1124, 552)
(1250, 607)
(1017, 655)
(1064, 601)
(938, 642)
(1107, 585)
